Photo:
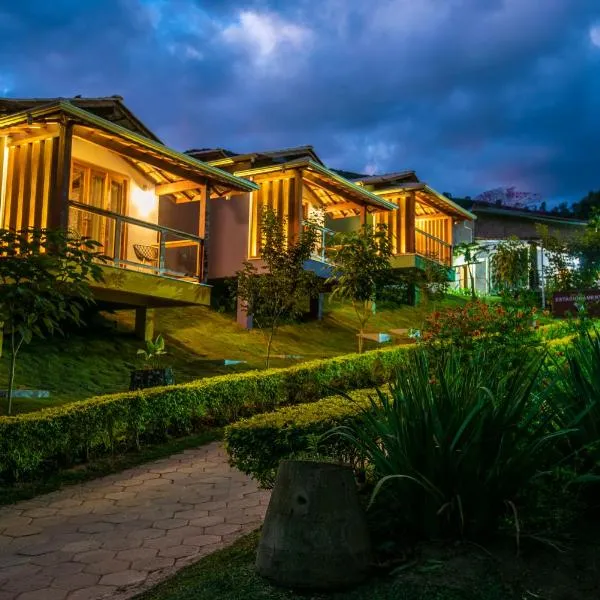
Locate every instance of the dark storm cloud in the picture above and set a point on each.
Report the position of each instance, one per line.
(471, 93)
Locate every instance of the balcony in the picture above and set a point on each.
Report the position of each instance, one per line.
(148, 264)
(433, 248)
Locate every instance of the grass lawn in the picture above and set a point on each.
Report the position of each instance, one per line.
(97, 360)
(437, 572)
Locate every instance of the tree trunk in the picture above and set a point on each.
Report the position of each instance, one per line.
(315, 534)
(11, 373)
(269, 344)
(360, 340)
(473, 295)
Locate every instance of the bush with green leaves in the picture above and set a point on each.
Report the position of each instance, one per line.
(458, 440)
(577, 388)
(257, 445)
(107, 424)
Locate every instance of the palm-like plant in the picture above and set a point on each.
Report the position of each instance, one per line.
(578, 390)
(457, 441)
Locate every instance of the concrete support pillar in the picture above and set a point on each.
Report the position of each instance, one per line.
(316, 307)
(243, 318)
(144, 323)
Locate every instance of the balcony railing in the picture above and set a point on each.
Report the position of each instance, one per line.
(429, 246)
(134, 244)
(324, 237)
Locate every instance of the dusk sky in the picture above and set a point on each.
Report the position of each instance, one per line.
(472, 94)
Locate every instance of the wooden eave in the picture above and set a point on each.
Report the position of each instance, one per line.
(338, 196)
(160, 163)
(429, 202)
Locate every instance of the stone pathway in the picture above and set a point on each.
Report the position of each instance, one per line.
(115, 536)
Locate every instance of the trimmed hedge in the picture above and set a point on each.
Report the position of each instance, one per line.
(107, 424)
(258, 444)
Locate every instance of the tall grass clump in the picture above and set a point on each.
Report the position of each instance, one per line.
(577, 388)
(457, 440)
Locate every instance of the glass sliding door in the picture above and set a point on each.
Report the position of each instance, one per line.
(99, 189)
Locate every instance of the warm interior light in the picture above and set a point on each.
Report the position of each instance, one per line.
(144, 201)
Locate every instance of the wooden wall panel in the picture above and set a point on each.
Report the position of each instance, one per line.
(28, 184)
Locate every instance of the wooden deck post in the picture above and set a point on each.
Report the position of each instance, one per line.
(295, 204)
(410, 223)
(242, 317)
(316, 307)
(144, 323)
(61, 178)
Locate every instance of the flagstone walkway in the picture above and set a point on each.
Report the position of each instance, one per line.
(115, 536)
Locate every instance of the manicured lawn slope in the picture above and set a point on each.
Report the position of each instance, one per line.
(97, 360)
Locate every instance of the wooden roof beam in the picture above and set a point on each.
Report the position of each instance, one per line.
(313, 195)
(343, 206)
(130, 151)
(176, 186)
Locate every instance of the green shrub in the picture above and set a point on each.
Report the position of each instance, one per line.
(458, 440)
(577, 387)
(117, 423)
(258, 444)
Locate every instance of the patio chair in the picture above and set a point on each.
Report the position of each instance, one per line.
(146, 254)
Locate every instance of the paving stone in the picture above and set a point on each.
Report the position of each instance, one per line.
(106, 567)
(40, 511)
(75, 581)
(93, 556)
(170, 523)
(153, 564)
(52, 558)
(124, 578)
(179, 551)
(21, 530)
(201, 540)
(96, 527)
(45, 594)
(30, 583)
(81, 546)
(222, 529)
(95, 592)
(146, 534)
(137, 554)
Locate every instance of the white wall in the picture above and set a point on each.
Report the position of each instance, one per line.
(142, 202)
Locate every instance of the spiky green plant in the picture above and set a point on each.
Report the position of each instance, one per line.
(578, 389)
(457, 441)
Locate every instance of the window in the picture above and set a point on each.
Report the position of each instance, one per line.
(99, 189)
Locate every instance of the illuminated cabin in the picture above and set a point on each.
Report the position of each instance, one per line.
(422, 227)
(296, 184)
(91, 167)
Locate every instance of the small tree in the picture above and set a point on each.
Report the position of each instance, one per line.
(44, 276)
(361, 264)
(510, 264)
(280, 287)
(471, 253)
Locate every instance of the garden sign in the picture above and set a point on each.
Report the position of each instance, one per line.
(568, 302)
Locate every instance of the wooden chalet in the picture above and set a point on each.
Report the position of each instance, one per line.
(422, 227)
(89, 165)
(298, 186)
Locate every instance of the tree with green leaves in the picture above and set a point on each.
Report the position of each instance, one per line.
(278, 286)
(471, 253)
(45, 276)
(361, 265)
(510, 265)
(573, 261)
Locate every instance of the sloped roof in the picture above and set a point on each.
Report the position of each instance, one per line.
(319, 172)
(110, 108)
(138, 147)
